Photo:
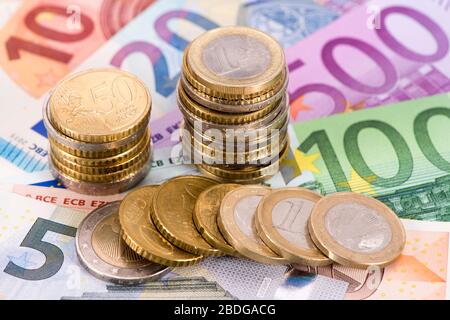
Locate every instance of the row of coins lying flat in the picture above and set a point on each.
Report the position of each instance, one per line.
(97, 124)
(232, 93)
(188, 218)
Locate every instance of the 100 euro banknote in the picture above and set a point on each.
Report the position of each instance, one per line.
(398, 153)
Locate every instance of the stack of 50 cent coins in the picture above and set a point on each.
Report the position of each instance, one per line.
(232, 93)
(97, 124)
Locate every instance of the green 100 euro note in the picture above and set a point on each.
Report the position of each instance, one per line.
(399, 154)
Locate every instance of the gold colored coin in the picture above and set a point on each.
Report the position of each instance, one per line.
(235, 62)
(141, 235)
(220, 117)
(103, 166)
(282, 223)
(120, 158)
(356, 231)
(100, 188)
(253, 130)
(230, 103)
(273, 119)
(233, 106)
(98, 150)
(230, 139)
(173, 209)
(245, 173)
(240, 175)
(100, 105)
(258, 180)
(105, 255)
(237, 224)
(207, 209)
(99, 178)
(256, 156)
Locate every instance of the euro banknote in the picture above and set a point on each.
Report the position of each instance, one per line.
(420, 273)
(37, 252)
(44, 40)
(379, 53)
(153, 55)
(398, 154)
(60, 197)
(45, 189)
(170, 288)
(23, 144)
(290, 21)
(41, 42)
(165, 130)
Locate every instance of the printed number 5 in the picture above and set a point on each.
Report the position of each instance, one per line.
(54, 257)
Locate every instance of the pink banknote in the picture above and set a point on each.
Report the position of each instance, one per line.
(164, 130)
(376, 54)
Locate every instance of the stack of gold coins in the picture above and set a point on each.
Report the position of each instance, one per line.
(232, 93)
(97, 124)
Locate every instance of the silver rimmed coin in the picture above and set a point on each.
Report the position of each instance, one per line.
(356, 231)
(273, 119)
(228, 106)
(236, 222)
(103, 252)
(235, 63)
(282, 223)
